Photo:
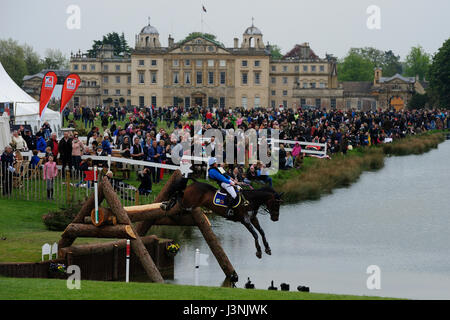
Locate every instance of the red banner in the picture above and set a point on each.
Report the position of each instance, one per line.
(48, 85)
(71, 85)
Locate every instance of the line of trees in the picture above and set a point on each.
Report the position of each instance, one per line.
(21, 60)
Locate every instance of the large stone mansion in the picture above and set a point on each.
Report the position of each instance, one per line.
(206, 73)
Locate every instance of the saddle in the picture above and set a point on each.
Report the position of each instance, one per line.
(223, 199)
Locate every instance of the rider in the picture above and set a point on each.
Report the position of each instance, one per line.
(225, 181)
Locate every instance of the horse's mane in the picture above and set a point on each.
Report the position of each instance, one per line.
(204, 186)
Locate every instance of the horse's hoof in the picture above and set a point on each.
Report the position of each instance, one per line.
(259, 254)
(269, 252)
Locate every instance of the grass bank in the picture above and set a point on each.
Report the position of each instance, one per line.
(52, 289)
(319, 177)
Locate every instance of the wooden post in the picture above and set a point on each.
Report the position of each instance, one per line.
(136, 244)
(213, 243)
(67, 187)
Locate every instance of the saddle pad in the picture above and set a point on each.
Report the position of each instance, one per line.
(220, 200)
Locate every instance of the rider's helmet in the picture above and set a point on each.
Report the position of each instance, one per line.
(211, 161)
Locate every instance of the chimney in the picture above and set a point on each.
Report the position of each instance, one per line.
(171, 41)
(236, 43)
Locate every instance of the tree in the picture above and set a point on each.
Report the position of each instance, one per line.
(194, 35)
(417, 63)
(55, 60)
(275, 52)
(32, 60)
(387, 60)
(119, 43)
(354, 67)
(12, 58)
(418, 101)
(439, 76)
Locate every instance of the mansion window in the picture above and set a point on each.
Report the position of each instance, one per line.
(257, 102)
(285, 93)
(187, 62)
(118, 92)
(244, 78)
(244, 63)
(199, 77)
(285, 80)
(222, 63)
(154, 101)
(106, 92)
(305, 68)
(105, 67)
(322, 68)
(210, 63)
(210, 102)
(285, 103)
(141, 101)
(129, 79)
(129, 68)
(129, 92)
(333, 103)
(187, 78)
(176, 63)
(176, 78)
(272, 103)
(118, 67)
(92, 67)
(273, 80)
(257, 78)
(313, 68)
(274, 68)
(305, 85)
(75, 67)
(141, 77)
(312, 85)
(322, 85)
(222, 102)
(244, 102)
(153, 77)
(257, 63)
(118, 79)
(318, 103)
(199, 63)
(187, 102)
(153, 62)
(285, 68)
(210, 77)
(84, 67)
(274, 92)
(297, 68)
(302, 102)
(105, 79)
(141, 62)
(222, 78)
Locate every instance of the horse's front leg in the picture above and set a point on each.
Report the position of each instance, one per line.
(246, 222)
(255, 222)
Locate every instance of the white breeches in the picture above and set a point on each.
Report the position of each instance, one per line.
(229, 188)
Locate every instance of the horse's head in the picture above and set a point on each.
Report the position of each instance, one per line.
(273, 205)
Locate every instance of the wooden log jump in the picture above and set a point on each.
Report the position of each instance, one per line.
(117, 222)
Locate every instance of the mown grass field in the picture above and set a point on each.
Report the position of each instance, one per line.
(52, 289)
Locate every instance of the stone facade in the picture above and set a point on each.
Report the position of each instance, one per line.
(203, 72)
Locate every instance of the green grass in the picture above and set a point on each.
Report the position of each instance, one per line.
(52, 289)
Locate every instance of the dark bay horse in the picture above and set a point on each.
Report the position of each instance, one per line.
(200, 194)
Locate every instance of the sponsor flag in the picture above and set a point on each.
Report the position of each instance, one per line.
(71, 85)
(48, 85)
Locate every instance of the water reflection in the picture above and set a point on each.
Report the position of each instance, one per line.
(396, 218)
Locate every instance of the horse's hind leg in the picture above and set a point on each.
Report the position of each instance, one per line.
(246, 222)
(255, 223)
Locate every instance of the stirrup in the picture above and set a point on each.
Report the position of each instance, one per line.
(230, 212)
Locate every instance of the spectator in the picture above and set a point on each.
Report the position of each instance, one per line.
(65, 152)
(17, 142)
(7, 170)
(50, 173)
(77, 151)
(146, 182)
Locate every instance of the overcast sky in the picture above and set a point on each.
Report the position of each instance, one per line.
(330, 26)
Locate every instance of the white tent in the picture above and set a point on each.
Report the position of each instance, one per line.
(26, 109)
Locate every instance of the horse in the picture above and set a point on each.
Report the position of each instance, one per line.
(199, 194)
